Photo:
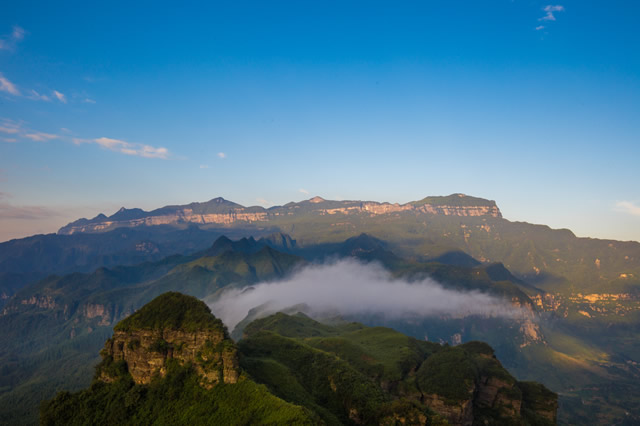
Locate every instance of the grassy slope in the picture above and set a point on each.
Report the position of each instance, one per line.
(293, 356)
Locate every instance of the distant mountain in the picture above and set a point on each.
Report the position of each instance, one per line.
(173, 362)
(26, 260)
(222, 212)
(455, 229)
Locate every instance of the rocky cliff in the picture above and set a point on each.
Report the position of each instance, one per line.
(171, 327)
(221, 212)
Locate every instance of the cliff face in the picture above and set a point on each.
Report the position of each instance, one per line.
(172, 327)
(224, 213)
(146, 353)
(494, 397)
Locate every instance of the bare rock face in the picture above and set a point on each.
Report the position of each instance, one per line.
(460, 413)
(490, 393)
(146, 353)
(149, 339)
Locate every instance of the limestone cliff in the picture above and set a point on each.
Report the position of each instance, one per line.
(221, 212)
(171, 327)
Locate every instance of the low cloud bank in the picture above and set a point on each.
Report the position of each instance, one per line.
(352, 288)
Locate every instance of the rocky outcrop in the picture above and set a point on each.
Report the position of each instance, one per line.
(173, 327)
(146, 353)
(481, 391)
(460, 413)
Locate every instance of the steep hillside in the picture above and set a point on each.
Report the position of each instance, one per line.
(52, 329)
(171, 362)
(351, 373)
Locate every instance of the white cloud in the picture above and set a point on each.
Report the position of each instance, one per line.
(89, 101)
(550, 9)
(39, 97)
(9, 127)
(18, 33)
(303, 191)
(8, 211)
(60, 96)
(7, 86)
(10, 140)
(8, 42)
(204, 166)
(353, 288)
(79, 141)
(263, 202)
(628, 207)
(540, 27)
(222, 155)
(127, 148)
(40, 136)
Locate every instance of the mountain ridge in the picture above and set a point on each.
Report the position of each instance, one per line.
(220, 211)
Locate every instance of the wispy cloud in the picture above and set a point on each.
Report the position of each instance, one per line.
(550, 9)
(303, 191)
(38, 97)
(222, 155)
(7, 86)
(8, 42)
(540, 27)
(10, 127)
(16, 129)
(263, 202)
(204, 166)
(628, 207)
(9, 211)
(60, 96)
(40, 136)
(89, 101)
(9, 140)
(18, 33)
(127, 148)
(351, 288)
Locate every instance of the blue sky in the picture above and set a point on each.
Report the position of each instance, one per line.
(533, 104)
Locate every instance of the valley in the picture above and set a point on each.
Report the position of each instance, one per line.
(579, 297)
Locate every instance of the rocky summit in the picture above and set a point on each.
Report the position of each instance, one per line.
(172, 327)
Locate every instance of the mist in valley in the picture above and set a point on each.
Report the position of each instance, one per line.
(351, 288)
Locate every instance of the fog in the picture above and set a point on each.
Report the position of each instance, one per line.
(349, 287)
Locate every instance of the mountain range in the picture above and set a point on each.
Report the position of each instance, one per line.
(63, 293)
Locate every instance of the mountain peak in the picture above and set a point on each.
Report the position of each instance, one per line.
(317, 199)
(173, 311)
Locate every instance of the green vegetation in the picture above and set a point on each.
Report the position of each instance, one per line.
(455, 200)
(52, 329)
(174, 311)
(337, 371)
(176, 399)
(316, 374)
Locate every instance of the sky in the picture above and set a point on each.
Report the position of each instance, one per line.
(535, 105)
